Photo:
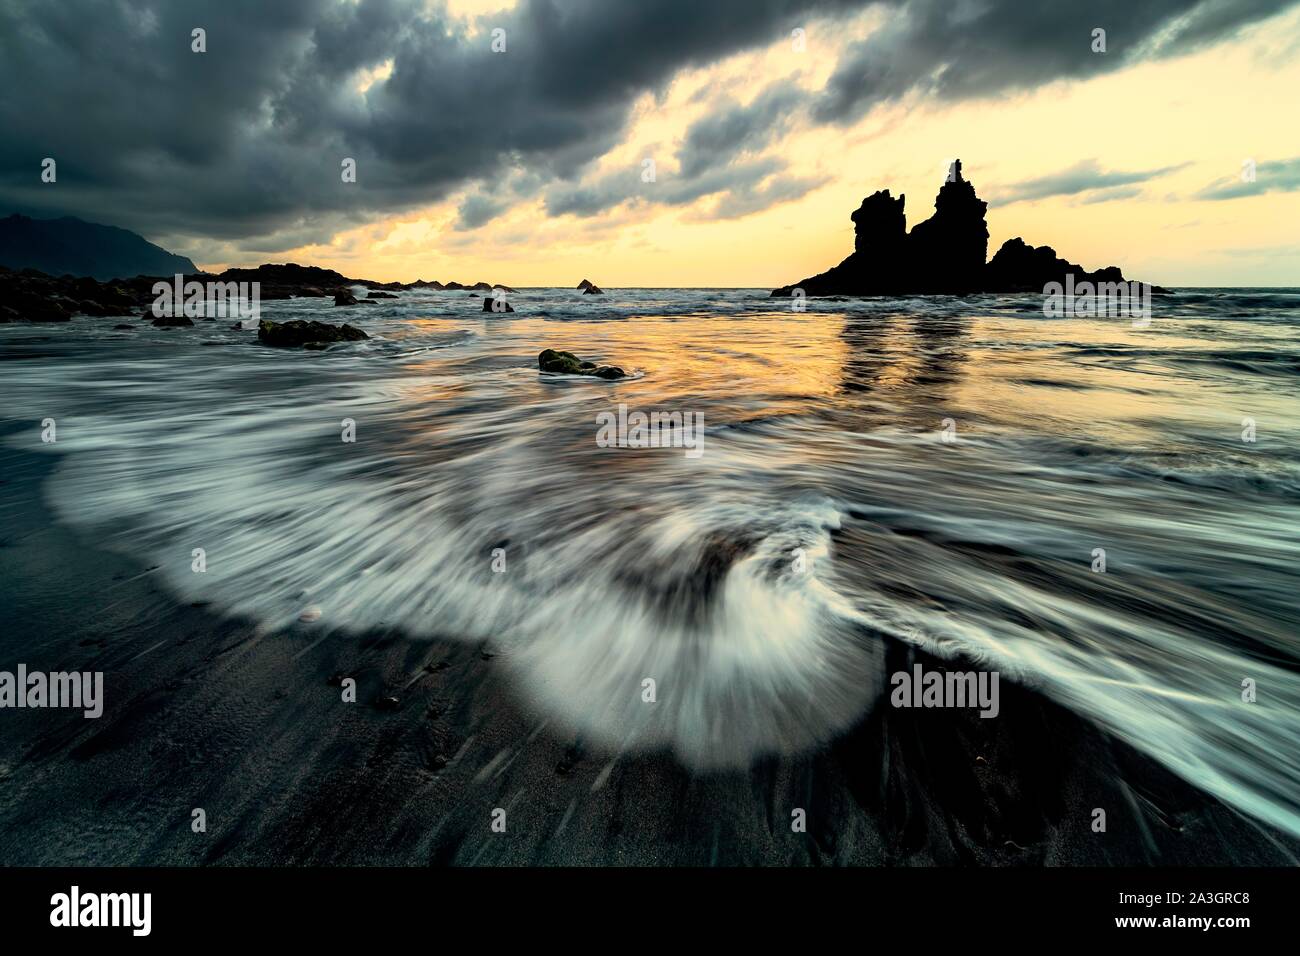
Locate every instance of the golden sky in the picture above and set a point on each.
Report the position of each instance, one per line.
(1197, 116)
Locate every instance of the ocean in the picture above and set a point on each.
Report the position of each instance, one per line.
(1103, 513)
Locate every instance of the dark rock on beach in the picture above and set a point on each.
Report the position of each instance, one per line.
(490, 305)
(372, 294)
(344, 297)
(171, 321)
(945, 254)
(566, 363)
(302, 333)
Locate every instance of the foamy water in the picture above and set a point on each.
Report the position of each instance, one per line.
(755, 584)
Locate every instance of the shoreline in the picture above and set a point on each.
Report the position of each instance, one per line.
(213, 713)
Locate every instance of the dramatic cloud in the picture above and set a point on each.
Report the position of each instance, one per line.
(242, 145)
(477, 210)
(731, 129)
(974, 48)
(1083, 177)
(247, 138)
(1282, 176)
(671, 189)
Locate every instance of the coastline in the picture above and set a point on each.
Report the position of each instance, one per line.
(207, 712)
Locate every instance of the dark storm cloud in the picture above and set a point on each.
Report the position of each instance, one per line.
(730, 128)
(246, 139)
(973, 48)
(477, 210)
(1083, 177)
(1282, 176)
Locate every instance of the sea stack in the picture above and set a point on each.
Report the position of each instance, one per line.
(945, 254)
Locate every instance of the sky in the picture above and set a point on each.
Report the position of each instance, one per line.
(658, 142)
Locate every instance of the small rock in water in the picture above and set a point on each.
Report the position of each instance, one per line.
(388, 703)
(344, 297)
(567, 363)
(310, 614)
(299, 333)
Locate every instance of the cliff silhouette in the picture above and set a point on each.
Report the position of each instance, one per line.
(945, 254)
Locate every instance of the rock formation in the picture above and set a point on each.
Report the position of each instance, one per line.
(945, 254)
(566, 363)
(302, 333)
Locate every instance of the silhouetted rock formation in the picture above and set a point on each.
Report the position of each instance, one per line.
(945, 254)
(1020, 267)
(489, 305)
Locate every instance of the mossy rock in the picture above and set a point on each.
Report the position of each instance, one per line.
(566, 363)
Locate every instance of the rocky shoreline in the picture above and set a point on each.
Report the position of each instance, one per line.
(28, 295)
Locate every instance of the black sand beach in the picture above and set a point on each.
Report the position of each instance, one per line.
(208, 713)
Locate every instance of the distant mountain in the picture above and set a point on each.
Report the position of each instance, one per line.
(68, 245)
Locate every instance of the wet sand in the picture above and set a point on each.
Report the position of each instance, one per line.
(203, 712)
